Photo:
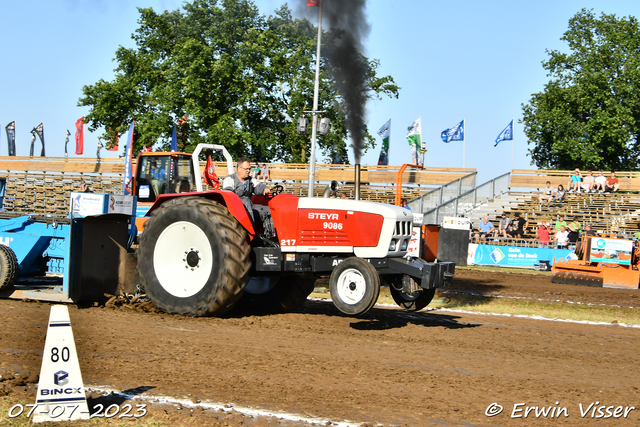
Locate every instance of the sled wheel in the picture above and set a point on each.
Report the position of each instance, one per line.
(193, 257)
(354, 285)
(8, 267)
(412, 301)
(285, 295)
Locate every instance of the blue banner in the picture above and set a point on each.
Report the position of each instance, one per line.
(456, 133)
(506, 134)
(511, 256)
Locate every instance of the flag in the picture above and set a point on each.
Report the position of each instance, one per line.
(414, 137)
(506, 134)
(66, 141)
(313, 2)
(210, 177)
(174, 140)
(80, 136)
(40, 132)
(128, 159)
(456, 133)
(384, 132)
(11, 137)
(113, 142)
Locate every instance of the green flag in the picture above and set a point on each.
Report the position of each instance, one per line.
(414, 137)
(384, 132)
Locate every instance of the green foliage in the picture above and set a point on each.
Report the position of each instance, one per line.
(242, 80)
(588, 114)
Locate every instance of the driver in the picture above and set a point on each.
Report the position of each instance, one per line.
(241, 184)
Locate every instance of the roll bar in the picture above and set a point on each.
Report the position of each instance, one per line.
(196, 162)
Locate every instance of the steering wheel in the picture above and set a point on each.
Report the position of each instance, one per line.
(276, 189)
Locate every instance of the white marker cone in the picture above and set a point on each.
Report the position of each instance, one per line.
(60, 389)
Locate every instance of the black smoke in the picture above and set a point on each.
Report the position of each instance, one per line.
(347, 64)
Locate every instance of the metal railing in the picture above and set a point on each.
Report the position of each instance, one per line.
(463, 202)
(443, 194)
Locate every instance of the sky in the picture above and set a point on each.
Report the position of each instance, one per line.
(455, 60)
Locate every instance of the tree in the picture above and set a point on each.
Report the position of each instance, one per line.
(241, 80)
(588, 114)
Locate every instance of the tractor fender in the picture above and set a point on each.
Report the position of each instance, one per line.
(225, 198)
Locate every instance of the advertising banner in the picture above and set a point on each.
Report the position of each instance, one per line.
(510, 256)
(611, 251)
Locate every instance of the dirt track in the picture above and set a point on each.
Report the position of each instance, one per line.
(390, 367)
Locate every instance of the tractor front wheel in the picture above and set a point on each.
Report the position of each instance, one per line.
(193, 257)
(410, 301)
(354, 285)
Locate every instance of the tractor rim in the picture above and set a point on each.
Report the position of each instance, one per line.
(351, 286)
(182, 259)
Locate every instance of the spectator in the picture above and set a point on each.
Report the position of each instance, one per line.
(519, 226)
(588, 231)
(560, 222)
(561, 239)
(600, 182)
(573, 229)
(547, 195)
(484, 228)
(265, 175)
(589, 183)
(504, 227)
(84, 188)
(542, 235)
(576, 181)
(255, 172)
(612, 183)
(403, 203)
(560, 194)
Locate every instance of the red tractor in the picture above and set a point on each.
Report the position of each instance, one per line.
(200, 255)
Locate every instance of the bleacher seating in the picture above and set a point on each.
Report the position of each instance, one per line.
(44, 184)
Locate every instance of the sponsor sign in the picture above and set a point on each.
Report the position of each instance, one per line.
(413, 250)
(510, 256)
(456, 223)
(611, 251)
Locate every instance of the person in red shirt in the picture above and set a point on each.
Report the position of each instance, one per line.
(542, 235)
(612, 183)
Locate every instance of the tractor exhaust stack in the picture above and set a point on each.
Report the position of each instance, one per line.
(357, 181)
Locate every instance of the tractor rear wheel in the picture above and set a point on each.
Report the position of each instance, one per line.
(285, 294)
(354, 285)
(410, 301)
(8, 267)
(193, 257)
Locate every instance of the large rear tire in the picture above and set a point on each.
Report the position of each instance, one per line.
(355, 286)
(193, 257)
(289, 293)
(8, 267)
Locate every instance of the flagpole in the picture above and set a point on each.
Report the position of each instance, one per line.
(512, 142)
(464, 140)
(316, 88)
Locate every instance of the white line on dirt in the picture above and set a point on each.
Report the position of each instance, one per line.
(205, 404)
(522, 316)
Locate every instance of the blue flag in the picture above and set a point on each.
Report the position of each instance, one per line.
(456, 133)
(174, 140)
(506, 134)
(128, 159)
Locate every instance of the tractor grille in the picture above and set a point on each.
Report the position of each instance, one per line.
(403, 228)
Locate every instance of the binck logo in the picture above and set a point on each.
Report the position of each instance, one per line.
(61, 378)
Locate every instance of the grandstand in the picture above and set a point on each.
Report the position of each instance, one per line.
(43, 184)
(609, 213)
